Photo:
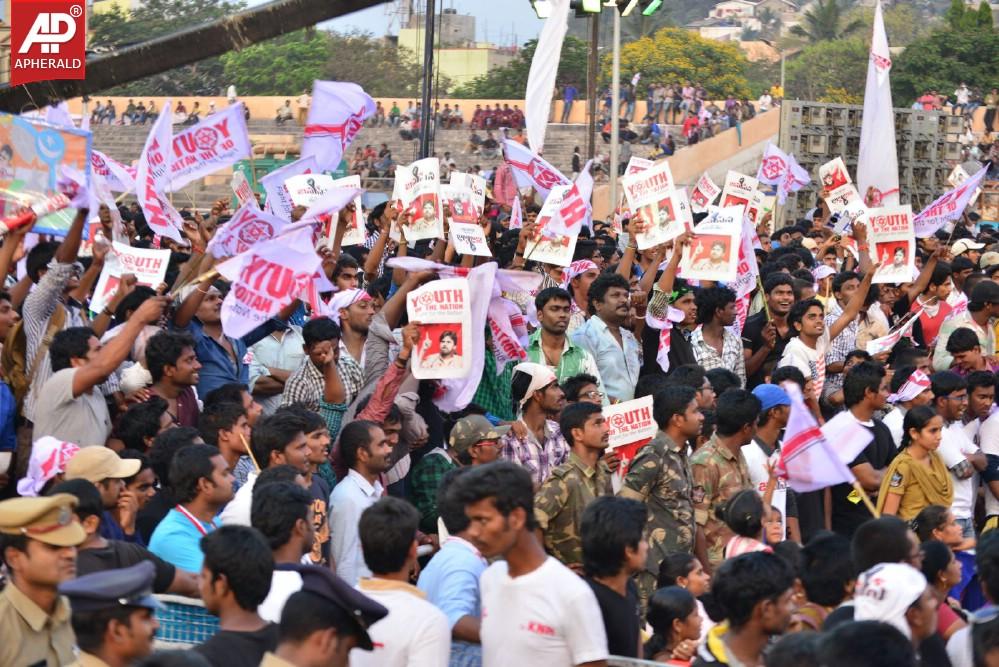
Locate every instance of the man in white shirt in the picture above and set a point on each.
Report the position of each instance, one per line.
(535, 611)
(961, 456)
(415, 633)
(366, 450)
(272, 361)
(282, 512)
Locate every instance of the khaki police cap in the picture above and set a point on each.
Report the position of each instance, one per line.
(48, 519)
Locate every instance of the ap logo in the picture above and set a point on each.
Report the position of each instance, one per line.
(48, 40)
(49, 31)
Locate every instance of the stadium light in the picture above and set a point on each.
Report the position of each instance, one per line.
(543, 8)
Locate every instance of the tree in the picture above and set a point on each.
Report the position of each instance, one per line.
(825, 21)
(824, 71)
(943, 60)
(155, 18)
(985, 19)
(510, 81)
(675, 54)
(286, 65)
(378, 66)
(769, 23)
(903, 23)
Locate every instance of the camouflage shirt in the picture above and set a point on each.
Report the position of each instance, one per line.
(718, 475)
(660, 477)
(559, 505)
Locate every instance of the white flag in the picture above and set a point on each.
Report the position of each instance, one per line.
(216, 142)
(153, 175)
(119, 177)
(267, 278)
(809, 460)
(278, 198)
(541, 79)
(530, 170)
(247, 227)
(948, 206)
(332, 200)
(336, 114)
(877, 165)
(516, 216)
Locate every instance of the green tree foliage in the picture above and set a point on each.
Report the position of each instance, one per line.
(285, 65)
(826, 70)
(377, 65)
(155, 18)
(510, 81)
(944, 59)
(674, 54)
(825, 20)
(903, 23)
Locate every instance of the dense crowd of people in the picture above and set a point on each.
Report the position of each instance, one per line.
(304, 486)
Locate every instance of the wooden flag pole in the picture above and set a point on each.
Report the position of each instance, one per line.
(867, 499)
(253, 459)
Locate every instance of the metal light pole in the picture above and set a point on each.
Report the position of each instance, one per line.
(591, 87)
(615, 105)
(428, 80)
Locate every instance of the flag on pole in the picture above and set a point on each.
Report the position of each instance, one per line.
(516, 216)
(247, 227)
(877, 165)
(948, 206)
(278, 198)
(808, 460)
(781, 169)
(338, 109)
(153, 175)
(532, 171)
(541, 78)
(575, 209)
(218, 141)
(119, 177)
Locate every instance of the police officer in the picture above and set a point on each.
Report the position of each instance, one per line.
(114, 615)
(323, 621)
(38, 539)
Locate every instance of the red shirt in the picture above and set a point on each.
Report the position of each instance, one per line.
(931, 325)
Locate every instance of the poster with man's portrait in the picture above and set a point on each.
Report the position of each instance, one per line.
(419, 190)
(443, 310)
(738, 190)
(892, 243)
(833, 174)
(713, 252)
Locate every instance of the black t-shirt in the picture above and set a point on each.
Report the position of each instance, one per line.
(846, 514)
(680, 352)
(117, 555)
(752, 340)
(621, 618)
(320, 491)
(229, 648)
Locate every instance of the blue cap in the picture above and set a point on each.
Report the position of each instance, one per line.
(771, 396)
(124, 587)
(354, 604)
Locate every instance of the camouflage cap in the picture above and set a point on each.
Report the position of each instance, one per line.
(472, 430)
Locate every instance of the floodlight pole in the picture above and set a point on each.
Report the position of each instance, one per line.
(615, 106)
(428, 80)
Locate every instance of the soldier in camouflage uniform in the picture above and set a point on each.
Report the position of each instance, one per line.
(559, 503)
(720, 472)
(660, 477)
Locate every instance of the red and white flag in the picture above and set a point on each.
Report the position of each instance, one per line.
(532, 171)
(278, 198)
(153, 176)
(808, 459)
(748, 270)
(948, 206)
(247, 227)
(266, 278)
(506, 345)
(218, 141)
(336, 115)
(780, 169)
(119, 177)
(575, 209)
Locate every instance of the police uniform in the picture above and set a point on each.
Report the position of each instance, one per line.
(30, 636)
(352, 603)
(110, 589)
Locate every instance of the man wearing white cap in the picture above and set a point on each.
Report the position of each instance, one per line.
(539, 400)
(353, 310)
(897, 594)
(968, 248)
(910, 387)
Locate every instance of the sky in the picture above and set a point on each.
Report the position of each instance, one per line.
(496, 21)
